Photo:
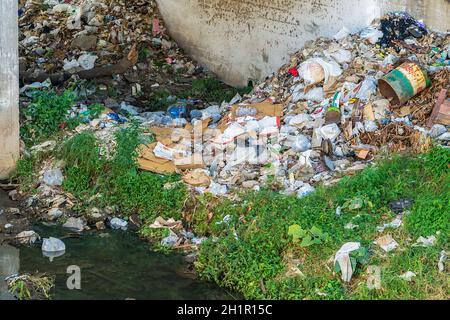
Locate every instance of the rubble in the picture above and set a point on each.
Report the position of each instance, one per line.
(122, 43)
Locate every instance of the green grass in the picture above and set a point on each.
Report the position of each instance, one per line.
(83, 164)
(25, 173)
(252, 256)
(48, 113)
(118, 182)
(45, 115)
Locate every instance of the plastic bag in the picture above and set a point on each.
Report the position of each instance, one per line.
(299, 143)
(367, 89)
(53, 177)
(317, 70)
(342, 34)
(371, 34)
(342, 56)
(330, 131)
(87, 61)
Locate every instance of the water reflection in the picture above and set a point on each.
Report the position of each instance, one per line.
(9, 265)
(116, 265)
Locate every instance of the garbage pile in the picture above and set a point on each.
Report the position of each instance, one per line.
(330, 110)
(121, 43)
(327, 113)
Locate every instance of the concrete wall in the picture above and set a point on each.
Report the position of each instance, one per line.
(243, 40)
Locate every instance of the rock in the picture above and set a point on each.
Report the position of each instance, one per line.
(54, 214)
(53, 177)
(250, 184)
(191, 258)
(27, 237)
(53, 245)
(85, 42)
(13, 195)
(75, 224)
(136, 220)
(100, 225)
(95, 215)
(117, 223)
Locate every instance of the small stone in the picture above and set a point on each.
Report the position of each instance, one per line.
(94, 215)
(191, 258)
(250, 184)
(100, 225)
(54, 214)
(13, 195)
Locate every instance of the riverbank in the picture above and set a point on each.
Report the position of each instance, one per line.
(253, 246)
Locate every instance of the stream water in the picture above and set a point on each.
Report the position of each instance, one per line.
(116, 265)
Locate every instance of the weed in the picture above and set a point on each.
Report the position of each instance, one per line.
(249, 255)
(46, 114)
(159, 100)
(83, 163)
(27, 287)
(25, 173)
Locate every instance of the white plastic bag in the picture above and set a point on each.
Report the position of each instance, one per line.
(368, 88)
(371, 34)
(330, 131)
(342, 56)
(316, 70)
(87, 61)
(342, 34)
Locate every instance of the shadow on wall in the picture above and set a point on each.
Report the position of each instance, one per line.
(248, 40)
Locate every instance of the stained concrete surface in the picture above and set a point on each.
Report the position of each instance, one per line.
(243, 40)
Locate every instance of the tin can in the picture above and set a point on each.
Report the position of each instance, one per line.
(403, 83)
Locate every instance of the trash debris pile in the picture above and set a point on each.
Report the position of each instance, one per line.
(121, 43)
(326, 114)
(330, 110)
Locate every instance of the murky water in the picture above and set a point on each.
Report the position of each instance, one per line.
(116, 265)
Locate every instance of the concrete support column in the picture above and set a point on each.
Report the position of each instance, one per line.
(9, 87)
